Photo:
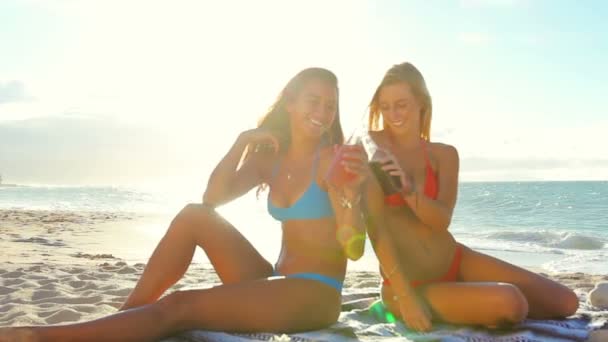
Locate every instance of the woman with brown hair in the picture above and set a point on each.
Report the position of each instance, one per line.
(289, 153)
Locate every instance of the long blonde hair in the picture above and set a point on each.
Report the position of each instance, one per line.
(408, 73)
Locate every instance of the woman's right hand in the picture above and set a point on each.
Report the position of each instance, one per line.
(260, 136)
(415, 312)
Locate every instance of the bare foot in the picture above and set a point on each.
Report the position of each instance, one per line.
(18, 335)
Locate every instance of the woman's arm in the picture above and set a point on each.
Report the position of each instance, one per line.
(350, 226)
(414, 312)
(346, 200)
(437, 214)
(229, 181)
(381, 239)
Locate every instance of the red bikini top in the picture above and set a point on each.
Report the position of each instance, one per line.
(431, 183)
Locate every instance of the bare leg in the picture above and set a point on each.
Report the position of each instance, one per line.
(493, 292)
(232, 255)
(488, 304)
(279, 305)
(17, 335)
(546, 298)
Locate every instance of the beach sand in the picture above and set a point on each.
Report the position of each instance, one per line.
(57, 267)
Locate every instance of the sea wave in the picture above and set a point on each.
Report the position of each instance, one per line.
(544, 238)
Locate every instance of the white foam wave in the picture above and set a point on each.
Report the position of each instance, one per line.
(549, 239)
(593, 262)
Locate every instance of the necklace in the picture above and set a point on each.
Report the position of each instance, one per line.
(288, 173)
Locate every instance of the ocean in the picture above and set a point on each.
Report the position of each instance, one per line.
(552, 226)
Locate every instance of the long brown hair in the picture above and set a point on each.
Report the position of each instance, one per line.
(408, 73)
(277, 119)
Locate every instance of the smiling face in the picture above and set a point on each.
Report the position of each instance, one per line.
(313, 109)
(400, 109)
(403, 102)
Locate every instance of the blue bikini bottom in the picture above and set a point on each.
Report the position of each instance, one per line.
(336, 284)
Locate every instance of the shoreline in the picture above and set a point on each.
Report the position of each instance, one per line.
(58, 235)
(54, 235)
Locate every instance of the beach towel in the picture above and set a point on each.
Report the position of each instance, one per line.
(358, 323)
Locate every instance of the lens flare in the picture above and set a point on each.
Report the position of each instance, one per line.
(379, 311)
(352, 242)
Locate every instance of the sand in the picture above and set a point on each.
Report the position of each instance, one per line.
(55, 268)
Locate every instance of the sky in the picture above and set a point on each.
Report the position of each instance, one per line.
(133, 92)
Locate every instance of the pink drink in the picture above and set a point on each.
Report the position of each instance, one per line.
(337, 175)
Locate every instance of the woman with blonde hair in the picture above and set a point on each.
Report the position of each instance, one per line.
(426, 273)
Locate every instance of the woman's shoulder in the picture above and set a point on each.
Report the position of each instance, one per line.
(443, 152)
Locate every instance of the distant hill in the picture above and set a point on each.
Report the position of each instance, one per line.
(84, 150)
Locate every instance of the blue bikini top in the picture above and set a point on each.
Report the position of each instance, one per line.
(313, 204)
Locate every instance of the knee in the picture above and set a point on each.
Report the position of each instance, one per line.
(195, 210)
(191, 213)
(511, 304)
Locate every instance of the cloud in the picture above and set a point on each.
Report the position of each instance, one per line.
(13, 91)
